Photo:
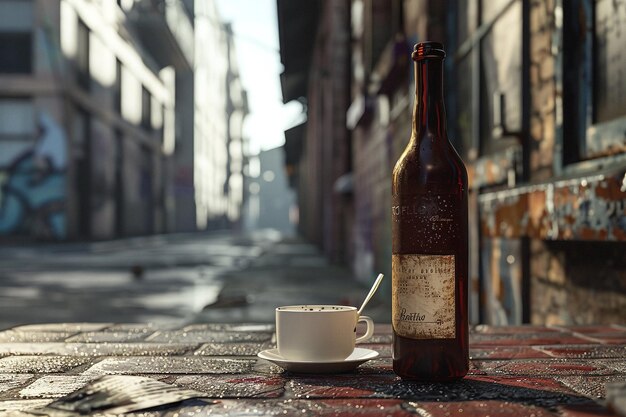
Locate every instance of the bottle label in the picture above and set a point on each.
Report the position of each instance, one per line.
(423, 296)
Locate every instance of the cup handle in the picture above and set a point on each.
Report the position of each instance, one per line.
(370, 329)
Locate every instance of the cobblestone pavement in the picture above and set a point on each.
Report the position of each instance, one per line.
(515, 371)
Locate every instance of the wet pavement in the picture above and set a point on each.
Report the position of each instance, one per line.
(212, 369)
(171, 325)
(171, 279)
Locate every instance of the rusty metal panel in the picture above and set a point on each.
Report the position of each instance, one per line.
(498, 168)
(607, 138)
(585, 208)
(501, 281)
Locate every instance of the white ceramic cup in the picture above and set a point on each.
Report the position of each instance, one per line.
(319, 333)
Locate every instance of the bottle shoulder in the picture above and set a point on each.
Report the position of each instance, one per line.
(426, 164)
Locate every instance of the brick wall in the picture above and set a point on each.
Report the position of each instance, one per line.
(372, 190)
(578, 282)
(543, 90)
(546, 240)
(378, 143)
(571, 281)
(325, 215)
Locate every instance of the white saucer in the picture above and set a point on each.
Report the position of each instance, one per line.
(359, 356)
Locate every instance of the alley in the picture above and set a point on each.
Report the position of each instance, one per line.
(170, 279)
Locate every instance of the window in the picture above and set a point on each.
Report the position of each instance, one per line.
(81, 151)
(119, 183)
(464, 114)
(17, 129)
(610, 60)
(17, 119)
(82, 56)
(16, 53)
(577, 70)
(383, 19)
(117, 93)
(16, 39)
(146, 109)
(486, 67)
(501, 64)
(594, 79)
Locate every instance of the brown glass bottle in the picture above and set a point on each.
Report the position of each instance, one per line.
(429, 235)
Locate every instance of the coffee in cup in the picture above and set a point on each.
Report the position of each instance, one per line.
(319, 333)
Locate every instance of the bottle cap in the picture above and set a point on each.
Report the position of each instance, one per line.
(428, 49)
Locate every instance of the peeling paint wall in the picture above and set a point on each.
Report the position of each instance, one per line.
(587, 208)
(571, 214)
(540, 197)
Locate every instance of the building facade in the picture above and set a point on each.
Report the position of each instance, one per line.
(319, 152)
(209, 154)
(536, 108)
(237, 145)
(86, 131)
(113, 122)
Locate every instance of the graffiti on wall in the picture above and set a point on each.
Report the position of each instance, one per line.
(32, 186)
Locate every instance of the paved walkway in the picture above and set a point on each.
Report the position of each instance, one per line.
(289, 272)
(211, 369)
(173, 279)
(211, 300)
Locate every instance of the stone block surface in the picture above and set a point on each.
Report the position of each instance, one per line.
(231, 327)
(34, 337)
(110, 336)
(11, 381)
(507, 352)
(584, 351)
(95, 349)
(234, 386)
(202, 336)
(40, 364)
(169, 365)
(63, 327)
(517, 370)
(55, 386)
(232, 349)
(22, 405)
(479, 408)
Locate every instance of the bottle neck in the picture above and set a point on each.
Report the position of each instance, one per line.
(429, 113)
